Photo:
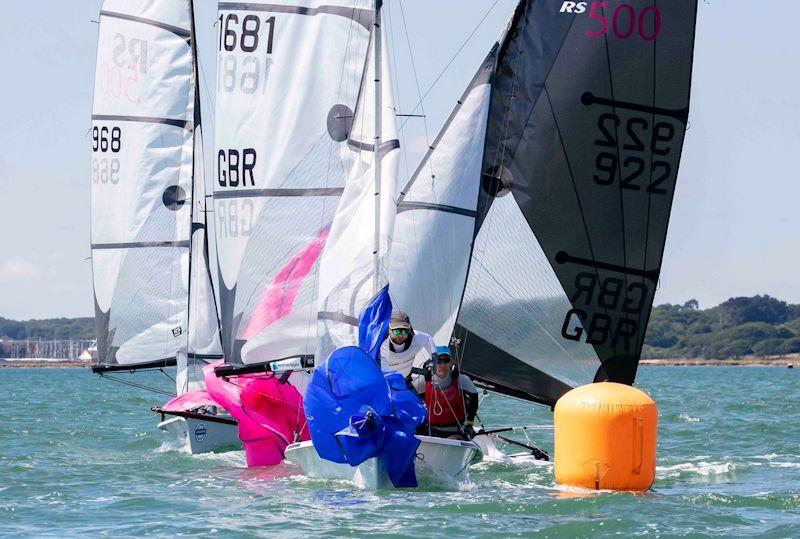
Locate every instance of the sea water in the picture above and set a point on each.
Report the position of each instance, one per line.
(80, 456)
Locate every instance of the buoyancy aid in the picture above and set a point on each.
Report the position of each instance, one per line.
(446, 407)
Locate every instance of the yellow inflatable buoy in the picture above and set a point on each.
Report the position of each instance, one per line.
(605, 438)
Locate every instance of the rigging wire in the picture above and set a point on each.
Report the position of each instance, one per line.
(427, 144)
(447, 66)
(416, 79)
(204, 79)
(404, 148)
(167, 375)
(139, 386)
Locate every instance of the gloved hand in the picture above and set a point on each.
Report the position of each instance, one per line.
(428, 371)
(469, 431)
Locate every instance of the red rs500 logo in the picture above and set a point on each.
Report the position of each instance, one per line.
(622, 20)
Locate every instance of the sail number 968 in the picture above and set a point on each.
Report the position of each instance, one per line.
(104, 139)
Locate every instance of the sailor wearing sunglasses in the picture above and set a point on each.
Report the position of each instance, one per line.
(405, 348)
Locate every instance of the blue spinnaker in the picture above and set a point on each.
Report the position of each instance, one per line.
(373, 324)
(355, 412)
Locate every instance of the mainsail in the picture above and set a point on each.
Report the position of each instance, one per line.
(289, 79)
(148, 222)
(583, 135)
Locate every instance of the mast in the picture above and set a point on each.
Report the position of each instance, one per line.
(196, 118)
(182, 356)
(378, 137)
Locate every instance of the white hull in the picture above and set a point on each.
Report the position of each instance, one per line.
(492, 454)
(439, 461)
(202, 436)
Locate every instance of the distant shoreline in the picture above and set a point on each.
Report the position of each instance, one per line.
(743, 362)
(43, 364)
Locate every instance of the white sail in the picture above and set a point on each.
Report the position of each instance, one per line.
(436, 217)
(204, 343)
(353, 266)
(142, 142)
(289, 77)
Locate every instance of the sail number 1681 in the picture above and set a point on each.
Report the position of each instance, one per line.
(245, 36)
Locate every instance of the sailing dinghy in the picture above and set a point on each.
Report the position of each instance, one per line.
(288, 79)
(533, 232)
(353, 281)
(154, 299)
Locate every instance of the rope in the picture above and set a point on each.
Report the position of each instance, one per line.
(436, 80)
(437, 408)
(167, 375)
(139, 386)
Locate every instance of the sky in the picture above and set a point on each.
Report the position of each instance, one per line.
(736, 214)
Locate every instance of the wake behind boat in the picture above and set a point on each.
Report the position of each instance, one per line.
(437, 461)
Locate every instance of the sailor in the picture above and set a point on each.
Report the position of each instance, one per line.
(405, 348)
(450, 397)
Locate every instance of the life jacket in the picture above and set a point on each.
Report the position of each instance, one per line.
(446, 407)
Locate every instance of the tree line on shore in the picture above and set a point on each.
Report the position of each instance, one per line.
(758, 325)
(53, 329)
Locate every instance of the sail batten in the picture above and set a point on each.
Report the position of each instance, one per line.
(361, 15)
(182, 32)
(185, 124)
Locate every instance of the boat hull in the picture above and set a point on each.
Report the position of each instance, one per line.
(201, 435)
(438, 461)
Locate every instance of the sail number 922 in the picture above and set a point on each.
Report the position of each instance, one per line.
(627, 162)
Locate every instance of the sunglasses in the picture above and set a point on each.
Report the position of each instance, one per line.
(444, 359)
(399, 332)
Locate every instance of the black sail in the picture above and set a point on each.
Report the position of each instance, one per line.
(587, 118)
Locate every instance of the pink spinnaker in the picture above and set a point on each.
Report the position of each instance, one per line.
(269, 413)
(190, 401)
